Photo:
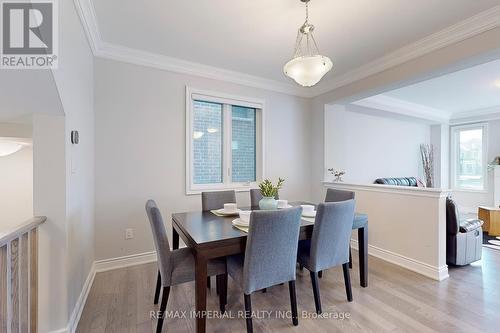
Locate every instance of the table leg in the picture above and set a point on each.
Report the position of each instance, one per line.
(175, 238)
(363, 256)
(201, 292)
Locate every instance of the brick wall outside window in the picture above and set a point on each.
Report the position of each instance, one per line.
(207, 150)
(243, 144)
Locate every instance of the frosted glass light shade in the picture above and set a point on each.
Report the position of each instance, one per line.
(308, 70)
(9, 147)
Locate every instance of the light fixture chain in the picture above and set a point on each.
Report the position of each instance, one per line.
(315, 45)
(307, 11)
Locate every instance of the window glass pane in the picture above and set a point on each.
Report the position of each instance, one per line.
(470, 159)
(243, 144)
(207, 142)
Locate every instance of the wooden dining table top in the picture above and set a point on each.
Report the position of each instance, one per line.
(212, 236)
(206, 227)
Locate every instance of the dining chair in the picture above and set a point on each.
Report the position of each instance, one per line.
(216, 200)
(329, 245)
(178, 266)
(333, 195)
(256, 196)
(270, 256)
(212, 201)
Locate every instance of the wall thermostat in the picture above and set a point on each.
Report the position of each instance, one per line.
(75, 137)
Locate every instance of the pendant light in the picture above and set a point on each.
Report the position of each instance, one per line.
(307, 66)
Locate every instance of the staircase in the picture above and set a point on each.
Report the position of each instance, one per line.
(19, 277)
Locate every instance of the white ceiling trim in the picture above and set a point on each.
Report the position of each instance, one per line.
(399, 106)
(472, 26)
(467, 28)
(138, 57)
(477, 113)
(106, 50)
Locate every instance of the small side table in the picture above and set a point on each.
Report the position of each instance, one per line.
(491, 219)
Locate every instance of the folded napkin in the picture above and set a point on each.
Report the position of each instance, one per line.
(242, 228)
(217, 213)
(308, 219)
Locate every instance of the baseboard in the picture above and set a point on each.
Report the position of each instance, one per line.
(80, 303)
(102, 266)
(436, 273)
(62, 330)
(126, 261)
(433, 272)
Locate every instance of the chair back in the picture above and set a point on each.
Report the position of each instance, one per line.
(271, 249)
(331, 235)
(452, 217)
(216, 200)
(256, 196)
(333, 195)
(161, 241)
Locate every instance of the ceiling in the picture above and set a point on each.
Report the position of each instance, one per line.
(472, 89)
(27, 92)
(257, 37)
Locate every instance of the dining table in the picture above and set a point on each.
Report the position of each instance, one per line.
(211, 236)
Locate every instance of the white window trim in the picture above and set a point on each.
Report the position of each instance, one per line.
(454, 156)
(226, 99)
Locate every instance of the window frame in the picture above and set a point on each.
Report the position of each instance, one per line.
(227, 101)
(454, 158)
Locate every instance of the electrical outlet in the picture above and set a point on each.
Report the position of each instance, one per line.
(129, 233)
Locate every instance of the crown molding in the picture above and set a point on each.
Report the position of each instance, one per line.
(486, 114)
(138, 57)
(102, 49)
(402, 107)
(470, 27)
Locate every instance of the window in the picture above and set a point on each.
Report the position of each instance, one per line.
(223, 142)
(469, 157)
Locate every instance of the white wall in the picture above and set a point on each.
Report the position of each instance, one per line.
(16, 178)
(49, 199)
(16, 188)
(407, 225)
(140, 149)
(469, 201)
(480, 48)
(440, 139)
(369, 147)
(75, 83)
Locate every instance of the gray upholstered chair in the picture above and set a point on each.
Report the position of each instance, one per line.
(333, 195)
(329, 245)
(256, 196)
(178, 266)
(464, 238)
(216, 200)
(270, 256)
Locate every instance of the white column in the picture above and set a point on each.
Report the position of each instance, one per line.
(496, 186)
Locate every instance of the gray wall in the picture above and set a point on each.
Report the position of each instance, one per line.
(368, 147)
(140, 149)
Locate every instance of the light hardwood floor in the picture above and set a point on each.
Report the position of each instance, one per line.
(396, 300)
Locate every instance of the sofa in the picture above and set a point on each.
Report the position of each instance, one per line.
(402, 181)
(464, 238)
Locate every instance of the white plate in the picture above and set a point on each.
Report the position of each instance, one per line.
(240, 222)
(223, 212)
(287, 206)
(309, 215)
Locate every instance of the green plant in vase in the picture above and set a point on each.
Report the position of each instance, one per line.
(269, 192)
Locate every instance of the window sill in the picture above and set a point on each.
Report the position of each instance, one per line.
(465, 190)
(236, 188)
